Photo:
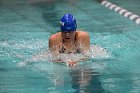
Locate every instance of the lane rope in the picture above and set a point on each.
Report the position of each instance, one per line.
(121, 11)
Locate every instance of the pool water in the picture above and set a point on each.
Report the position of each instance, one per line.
(25, 26)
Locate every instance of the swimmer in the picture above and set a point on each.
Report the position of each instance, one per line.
(69, 40)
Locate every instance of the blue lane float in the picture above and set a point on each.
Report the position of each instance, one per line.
(121, 11)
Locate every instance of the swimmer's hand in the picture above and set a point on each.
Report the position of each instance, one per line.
(72, 63)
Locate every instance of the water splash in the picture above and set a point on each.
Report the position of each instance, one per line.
(96, 52)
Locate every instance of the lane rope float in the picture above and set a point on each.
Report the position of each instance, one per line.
(121, 11)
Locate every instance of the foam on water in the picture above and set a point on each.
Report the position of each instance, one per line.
(96, 52)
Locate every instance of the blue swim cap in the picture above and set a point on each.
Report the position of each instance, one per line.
(68, 23)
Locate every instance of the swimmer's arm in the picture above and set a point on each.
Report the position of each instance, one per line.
(84, 42)
(53, 46)
(54, 49)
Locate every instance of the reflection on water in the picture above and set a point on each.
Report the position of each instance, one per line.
(16, 47)
(1, 3)
(48, 10)
(86, 81)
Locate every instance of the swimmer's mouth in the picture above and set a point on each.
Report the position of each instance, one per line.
(67, 38)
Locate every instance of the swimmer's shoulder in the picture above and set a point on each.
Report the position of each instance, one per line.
(82, 34)
(55, 39)
(56, 36)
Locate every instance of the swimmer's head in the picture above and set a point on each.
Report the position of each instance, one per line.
(68, 23)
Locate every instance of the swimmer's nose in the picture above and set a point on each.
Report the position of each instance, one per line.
(66, 33)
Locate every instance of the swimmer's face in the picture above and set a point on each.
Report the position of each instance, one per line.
(68, 35)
